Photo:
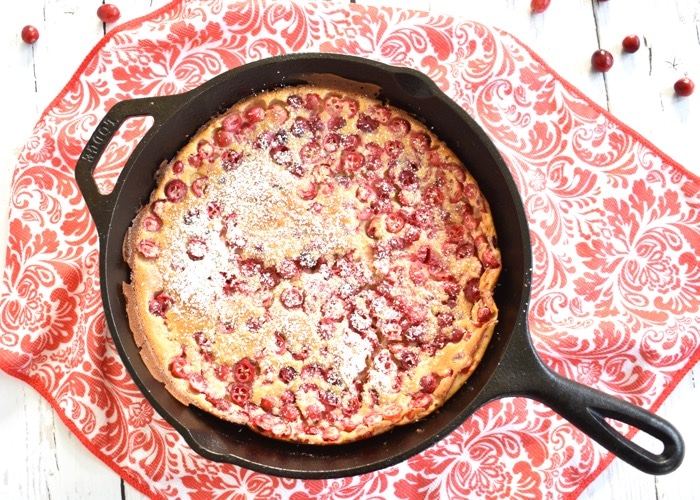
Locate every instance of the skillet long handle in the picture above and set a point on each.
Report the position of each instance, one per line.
(588, 409)
(522, 373)
(100, 205)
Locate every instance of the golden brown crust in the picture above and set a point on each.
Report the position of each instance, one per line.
(314, 264)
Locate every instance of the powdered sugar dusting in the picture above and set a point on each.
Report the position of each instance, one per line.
(278, 224)
(298, 255)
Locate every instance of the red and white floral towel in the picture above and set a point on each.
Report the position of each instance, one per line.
(615, 228)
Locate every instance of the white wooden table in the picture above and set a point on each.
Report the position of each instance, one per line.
(40, 459)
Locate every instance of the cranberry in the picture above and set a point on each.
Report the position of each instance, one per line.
(483, 314)
(310, 372)
(350, 141)
(372, 227)
(149, 249)
(152, 224)
(353, 107)
(213, 209)
(290, 413)
(336, 122)
(366, 123)
(602, 60)
(360, 321)
(630, 43)
(194, 160)
(539, 6)
(429, 383)
(310, 152)
(288, 269)
(420, 142)
(433, 196)
(197, 382)
(282, 156)
(230, 159)
(295, 101)
(684, 87)
(175, 191)
(177, 366)
(380, 114)
(201, 338)
(264, 140)
(399, 127)
(269, 278)
(278, 113)
(465, 250)
(251, 267)
(223, 137)
(244, 371)
(196, 249)
(352, 161)
(160, 304)
(445, 319)
(232, 123)
(301, 354)
(490, 259)
(239, 393)
(199, 186)
(330, 398)
(333, 377)
(300, 126)
(471, 290)
(312, 101)
(178, 167)
(409, 359)
(333, 309)
(350, 403)
(393, 149)
(255, 114)
(268, 403)
(333, 105)
(205, 150)
(408, 180)
(223, 372)
(108, 13)
(287, 374)
(314, 412)
(364, 193)
(157, 206)
(331, 142)
(30, 34)
(292, 298)
(395, 222)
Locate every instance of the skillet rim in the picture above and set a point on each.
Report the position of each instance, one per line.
(190, 426)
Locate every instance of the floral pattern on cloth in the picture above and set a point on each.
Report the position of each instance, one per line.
(615, 229)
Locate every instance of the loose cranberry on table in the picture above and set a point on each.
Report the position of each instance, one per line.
(602, 60)
(630, 43)
(684, 87)
(539, 6)
(30, 34)
(108, 13)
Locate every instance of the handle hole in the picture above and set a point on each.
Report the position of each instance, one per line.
(118, 151)
(638, 436)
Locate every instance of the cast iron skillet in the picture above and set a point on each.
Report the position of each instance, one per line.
(510, 366)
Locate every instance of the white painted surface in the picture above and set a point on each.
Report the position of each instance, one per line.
(40, 459)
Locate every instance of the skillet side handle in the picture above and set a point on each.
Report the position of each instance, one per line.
(99, 204)
(587, 409)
